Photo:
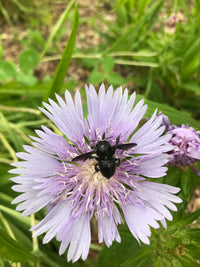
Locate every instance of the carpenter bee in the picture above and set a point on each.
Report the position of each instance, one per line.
(106, 161)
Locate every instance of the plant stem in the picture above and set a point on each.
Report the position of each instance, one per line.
(35, 241)
(8, 147)
(99, 55)
(95, 247)
(149, 84)
(28, 110)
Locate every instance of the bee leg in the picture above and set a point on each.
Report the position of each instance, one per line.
(96, 167)
(117, 140)
(117, 162)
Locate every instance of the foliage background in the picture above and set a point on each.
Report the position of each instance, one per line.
(151, 47)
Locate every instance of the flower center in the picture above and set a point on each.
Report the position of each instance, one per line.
(91, 175)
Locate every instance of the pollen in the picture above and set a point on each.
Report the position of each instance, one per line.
(93, 177)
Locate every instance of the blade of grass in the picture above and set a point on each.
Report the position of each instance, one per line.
(122, 2)
(141, 7)
(16, 109)
(22, 7)
(135, 63)
(6, 161)
(8, 147)
(12, 250)
(16, 216)
(99, 55)
(63, 65)
(176, 6)
(186, 10)
(135, 29)
(6, 225)
(5, 125)
(149, 83)
(192, 50)
(20, 133)
(34, 238)
(6, 15)
(56, 28)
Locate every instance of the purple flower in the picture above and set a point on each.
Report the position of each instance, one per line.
(165, 120)
(186, 146)
(74, 192)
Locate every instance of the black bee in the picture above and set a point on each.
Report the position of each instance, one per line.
(107, 162)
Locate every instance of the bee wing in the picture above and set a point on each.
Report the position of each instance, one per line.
(83, 156)
(126, 146)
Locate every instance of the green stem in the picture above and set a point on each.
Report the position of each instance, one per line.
(95, 247)
(149, 84)
(61, 71)
(30, 123)
(7, 226)
(7, 161)
(57, 26)
(20, 133)
(10, 232)
(8, 147)
(135, 63)
(35, 241)
(28, 110)
(99, 55)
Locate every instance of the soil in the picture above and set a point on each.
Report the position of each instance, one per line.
(87, 37)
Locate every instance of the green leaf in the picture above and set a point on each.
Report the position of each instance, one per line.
(173, 176)
(28, 60)
(96, 77)
(193, 251)
(164, 262)
(58, 25)
(115, 79)
(16, 216)
(17, 141)
(4, 180)
(175, 116)
(140, 259)
(23, 236)
(192, 50)
(190, 61)
(90, 62)
(7, 71)
(188, 219)
(108, 64)
(120, 3)
(187, 262)
(5, 198)
(119, 252)
(186, 184)
(142, 5)
(134, 31)
(193, 87)
(1, 50)
(63, 65)
(174, 262)
(17, 89)
(26, 79)
(194, 233)
(12, 250)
